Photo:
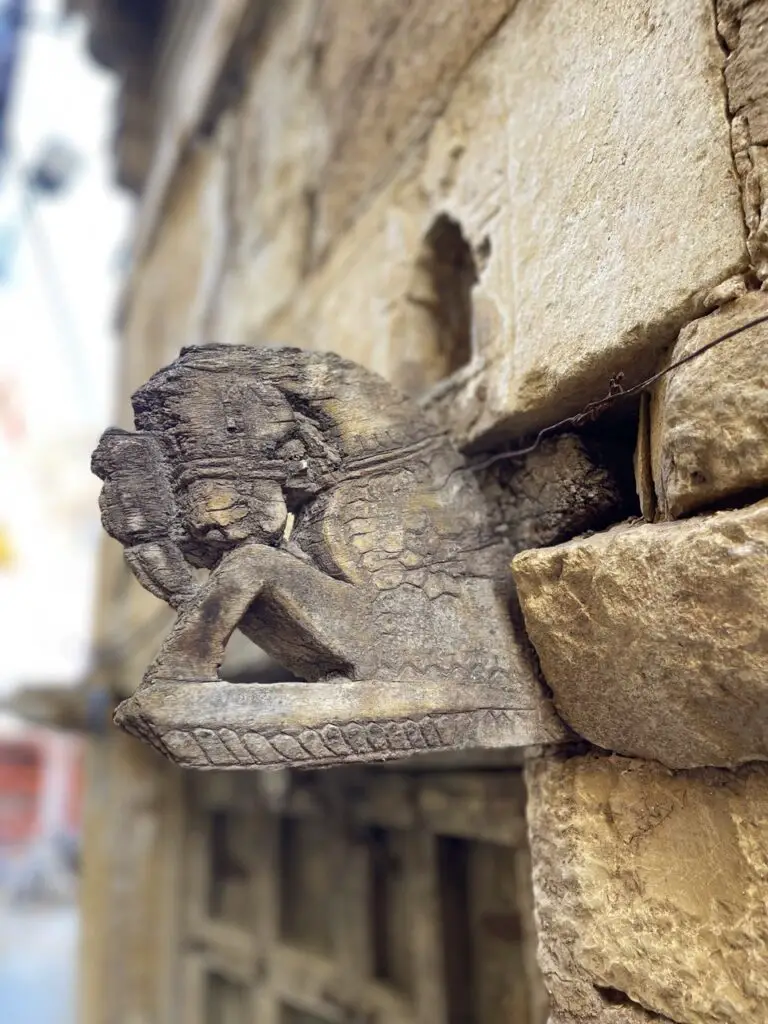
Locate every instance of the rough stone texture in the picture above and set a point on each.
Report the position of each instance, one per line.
(334, 106)
(557, 220)
(367, 301)
(650, 890)
(652, 637)
(385, 71)
(743, 25)
(709, 429)
(620, 184)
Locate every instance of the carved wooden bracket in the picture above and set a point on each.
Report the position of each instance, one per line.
(341, 536)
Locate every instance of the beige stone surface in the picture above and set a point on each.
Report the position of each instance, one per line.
(280, 147)
(590, 173)
(336, 106)
(622, 200)
(650, 890)
(371, 300)
(709, 432)
(653, 637)
(374, 295)
(385, 70)
(743, 25)
(198, 46)
(172, 287)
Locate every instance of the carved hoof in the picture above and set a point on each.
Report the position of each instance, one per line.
(307, 725)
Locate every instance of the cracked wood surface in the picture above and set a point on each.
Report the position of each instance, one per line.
(338, 535)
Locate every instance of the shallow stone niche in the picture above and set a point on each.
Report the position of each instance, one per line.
(650, 890)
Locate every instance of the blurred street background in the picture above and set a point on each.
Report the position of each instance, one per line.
(63, 230)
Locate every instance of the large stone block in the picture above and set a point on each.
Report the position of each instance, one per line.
(709, 419)
(653, 637)
(590, 175)
(621, 196)
(650, 890)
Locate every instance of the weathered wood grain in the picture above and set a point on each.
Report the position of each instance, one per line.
(345, 535)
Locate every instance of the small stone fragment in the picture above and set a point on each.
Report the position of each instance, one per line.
(709, 418)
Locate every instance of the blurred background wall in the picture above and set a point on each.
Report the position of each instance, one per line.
(63, 224)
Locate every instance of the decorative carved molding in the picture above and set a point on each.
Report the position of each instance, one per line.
(341, 535)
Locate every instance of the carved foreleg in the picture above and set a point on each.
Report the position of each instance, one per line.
(300, 601)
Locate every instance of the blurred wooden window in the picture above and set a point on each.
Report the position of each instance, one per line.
(401, 899)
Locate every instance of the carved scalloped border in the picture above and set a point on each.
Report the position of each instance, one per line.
(228, 749)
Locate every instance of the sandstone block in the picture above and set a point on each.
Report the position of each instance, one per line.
(622, 200)
(590, 174)
(652, 637)
(650, 890)
(709, 421)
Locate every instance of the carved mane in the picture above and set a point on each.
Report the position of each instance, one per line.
(359, 412)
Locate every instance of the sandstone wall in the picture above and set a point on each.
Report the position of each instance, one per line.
(501, 206)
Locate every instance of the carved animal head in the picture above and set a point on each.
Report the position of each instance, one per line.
(233, 438)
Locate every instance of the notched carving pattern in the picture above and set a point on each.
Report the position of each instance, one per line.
(224, 748)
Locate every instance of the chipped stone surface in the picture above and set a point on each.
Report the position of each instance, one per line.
(652, 637)
(709, 434)
(650, 890)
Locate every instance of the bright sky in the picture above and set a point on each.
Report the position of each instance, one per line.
(57, 351)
